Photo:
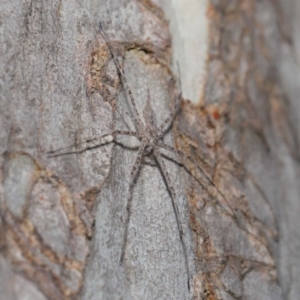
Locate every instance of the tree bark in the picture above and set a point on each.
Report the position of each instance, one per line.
(63, 218)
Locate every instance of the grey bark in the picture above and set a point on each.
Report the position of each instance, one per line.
(63, 218)
(289, 69)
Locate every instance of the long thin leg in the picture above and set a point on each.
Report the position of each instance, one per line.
(170, 119)
(122, 113)
(187, 157)
(133, 173)
(137, 118)
(180, 163)
(170, 187)
(90, 143)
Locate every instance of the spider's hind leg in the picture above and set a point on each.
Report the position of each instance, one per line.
(197, 169)
(170, 187)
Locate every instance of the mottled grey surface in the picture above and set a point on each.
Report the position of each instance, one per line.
(19, 176)
(15, 287)
(289, 67)
(44, 49)
(44, 106)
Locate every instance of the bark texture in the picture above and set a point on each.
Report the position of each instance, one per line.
(63, 218)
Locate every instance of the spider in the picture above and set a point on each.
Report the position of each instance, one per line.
(151, 139)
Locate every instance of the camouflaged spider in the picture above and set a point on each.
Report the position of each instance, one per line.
(151, 142)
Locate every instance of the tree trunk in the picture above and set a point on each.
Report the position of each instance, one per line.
(64, 218)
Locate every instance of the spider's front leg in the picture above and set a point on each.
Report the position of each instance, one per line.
(90, 143)
(122, 77)
(164, 127)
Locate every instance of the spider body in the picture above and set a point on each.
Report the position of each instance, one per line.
(150, 136)
(151, 142)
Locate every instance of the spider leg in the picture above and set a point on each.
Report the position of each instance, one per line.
(133, 173)
(161, 163)
(122, 113)
(90, 143)
(121, 75)
(187, 157)
(170, 119)
(232, 212)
